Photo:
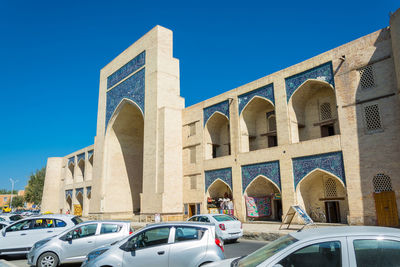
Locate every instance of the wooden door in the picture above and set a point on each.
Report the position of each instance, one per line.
(192, 210)
(386, 208)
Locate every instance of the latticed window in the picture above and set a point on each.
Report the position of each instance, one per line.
(372, 117)
(330, 188)
(367, 77)
(192, 129)
(325, 111)
(272, 124)
(193, 182)
(382, 183)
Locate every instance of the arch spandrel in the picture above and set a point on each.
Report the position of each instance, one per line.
(323, 72)
(265, 92)
(331, 163)
(224, 175)
(269, 170)
(222, 107)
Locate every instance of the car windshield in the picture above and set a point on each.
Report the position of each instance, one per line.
(222, 218)
(76, 220)
(265, 252)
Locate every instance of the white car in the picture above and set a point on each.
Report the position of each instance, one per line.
(226, 227)
(3, 224)
(10, 217)
(327, 247)
(19, 237)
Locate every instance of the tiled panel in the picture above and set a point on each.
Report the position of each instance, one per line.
(78, 190)
(81, 157)
(268, 169)
(264, 92)
(222, 107)
(322, 72)
(68, 193)
(127, 69)
(132, 88)
(71, 161)
(330, 162)
(223, 174)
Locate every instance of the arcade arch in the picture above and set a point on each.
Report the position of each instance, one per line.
(258, 125)
(313, 112)
(263, 195)
(124, 159)
(324, 197)
(81, 170)
(217, 136)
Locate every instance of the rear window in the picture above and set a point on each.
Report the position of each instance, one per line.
(15, 218)
(184, 233)
(60, 223)
(193, 219)
(76, 220)
(110, 228)
(222, 218)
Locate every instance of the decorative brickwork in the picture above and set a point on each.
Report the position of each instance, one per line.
(330, 162)
(132, 88)
(223, 174)
(222, 107)
(269, 170)
(264, 92)
(322, 72)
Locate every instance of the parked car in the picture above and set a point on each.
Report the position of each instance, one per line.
(227, 228)
(20, 236)
(3, 224)
(6, 209)
(185, 244)
(73, 245)
(331, 246)
(10, 217)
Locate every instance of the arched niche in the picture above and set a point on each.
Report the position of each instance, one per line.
(124, 159)
(219, 189)
(69, 178)
(262, 187)
(81, 169)
(68, 204)
(217, 136)
(257, 127)
(324, 196)
(313, 111)
(79, 198)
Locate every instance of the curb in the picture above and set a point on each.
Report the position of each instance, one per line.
(262, 236)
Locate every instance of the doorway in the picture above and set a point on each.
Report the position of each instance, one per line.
(332, 211)
(192, 210)
(386, 208)
(278, 209)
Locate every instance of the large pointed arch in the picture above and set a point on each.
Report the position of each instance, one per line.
(260, 176)
(311, 173)
(120, 106)
(217, 136)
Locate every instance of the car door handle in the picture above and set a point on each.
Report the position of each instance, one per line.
(161, 252)
(23, 234)
(49, 231)
(90, 241)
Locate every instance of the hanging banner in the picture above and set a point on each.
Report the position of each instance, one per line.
(293, 210)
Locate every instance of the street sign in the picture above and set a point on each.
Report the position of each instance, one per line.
(293, 210)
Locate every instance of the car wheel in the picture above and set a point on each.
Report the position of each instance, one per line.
(48, 259)
(234, 240)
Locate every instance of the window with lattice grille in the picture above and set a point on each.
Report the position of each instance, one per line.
(325, 111)
(372, 118)
(193, 182)
(382, 183)
(330, 188)
(192, 129)
(272, 123)
(367, 77)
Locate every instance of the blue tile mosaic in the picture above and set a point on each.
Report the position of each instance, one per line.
(68, 193)
(71, 161)
(222, 107)
(88, 190)
(223, 174)
(90, 153)
(330, 162)
(322, 72)
(264, 92)
(78, 190)
(127, 69)
(81, 157)
(132, 88)
(269, 170)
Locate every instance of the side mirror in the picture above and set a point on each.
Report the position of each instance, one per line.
(3, 231)
(134, 247)
(68, 237)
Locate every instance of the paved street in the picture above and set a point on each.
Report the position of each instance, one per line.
(242, 247)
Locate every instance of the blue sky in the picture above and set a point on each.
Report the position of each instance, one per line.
(51, 53)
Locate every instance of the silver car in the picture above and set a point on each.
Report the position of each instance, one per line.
(185, 244)
(20, 236)
(9, 217)
(74, 244)
(327, 247)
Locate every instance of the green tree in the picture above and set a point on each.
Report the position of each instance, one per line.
(18, 202)
(6, 191)
(34, 189)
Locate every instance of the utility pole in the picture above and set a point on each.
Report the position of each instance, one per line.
(12, 191)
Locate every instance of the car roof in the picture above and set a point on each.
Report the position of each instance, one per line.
(185, 223)
(328, 232)
(53, 216)
(106, 221)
